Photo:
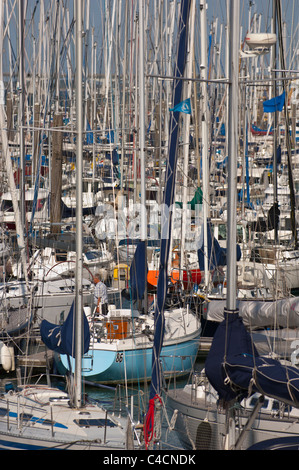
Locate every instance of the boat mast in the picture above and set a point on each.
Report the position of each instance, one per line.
(21, 109)
(142, 120)
(8, 162)
(274, 65)
(143, 214)
(186, 133)
(79, 228)
(233, 93)
(204, 130)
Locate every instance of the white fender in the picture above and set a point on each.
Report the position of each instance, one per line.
(7, 358)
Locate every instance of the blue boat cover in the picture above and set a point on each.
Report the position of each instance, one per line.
(264, 375)
(231, 339)
(216, 254)
(235, 369)
(61, 338)
(138, 272)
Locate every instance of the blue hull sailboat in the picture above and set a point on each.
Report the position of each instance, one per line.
(122, 345)
(121, 342)
(130, 345)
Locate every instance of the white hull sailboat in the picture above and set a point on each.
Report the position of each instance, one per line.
(201, 421)
(39, 417)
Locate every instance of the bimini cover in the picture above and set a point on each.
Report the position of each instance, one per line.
(236, 370)
(61, 338)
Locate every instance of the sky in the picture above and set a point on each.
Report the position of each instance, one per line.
(216, 10)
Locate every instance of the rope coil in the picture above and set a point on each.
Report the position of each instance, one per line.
(149, 421)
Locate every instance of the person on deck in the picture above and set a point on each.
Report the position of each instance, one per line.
(100, 295)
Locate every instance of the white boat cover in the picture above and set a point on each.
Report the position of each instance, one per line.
(260, 313)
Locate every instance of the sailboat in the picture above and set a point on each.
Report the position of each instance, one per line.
(216, 413)
(123, 343)
(44, 417)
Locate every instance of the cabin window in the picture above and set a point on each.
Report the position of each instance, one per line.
(61, 255)
(25, 416)
(99, 423)
(254, 400)
(91, 255)
(6, 206)
(3, 411)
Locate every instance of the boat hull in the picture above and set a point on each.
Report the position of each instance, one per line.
(201, 425)
(122, 363)
(37, 417)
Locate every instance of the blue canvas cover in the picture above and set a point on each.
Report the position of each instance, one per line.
(264, 375)
(138, 272)
(61, 338)
(231, 340)
(235, 369)
(280, 443)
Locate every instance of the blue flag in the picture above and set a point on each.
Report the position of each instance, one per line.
(275, 104)
(183, 106)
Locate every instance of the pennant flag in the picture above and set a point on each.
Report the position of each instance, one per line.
(183, 106)
(275, 104)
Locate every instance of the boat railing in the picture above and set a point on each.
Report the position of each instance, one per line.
(184, 362)
(200, 383)
(131, 401)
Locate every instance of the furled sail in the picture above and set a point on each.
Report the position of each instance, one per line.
(138, 272)
(61, 338)
(169, 198)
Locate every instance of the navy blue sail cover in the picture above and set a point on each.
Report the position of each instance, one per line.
(235, 369)
(265, 375)
(61, 338)
(231, 339)
(138, 272)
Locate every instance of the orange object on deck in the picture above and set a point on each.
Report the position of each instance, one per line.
(117, 328)
(189, 277)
